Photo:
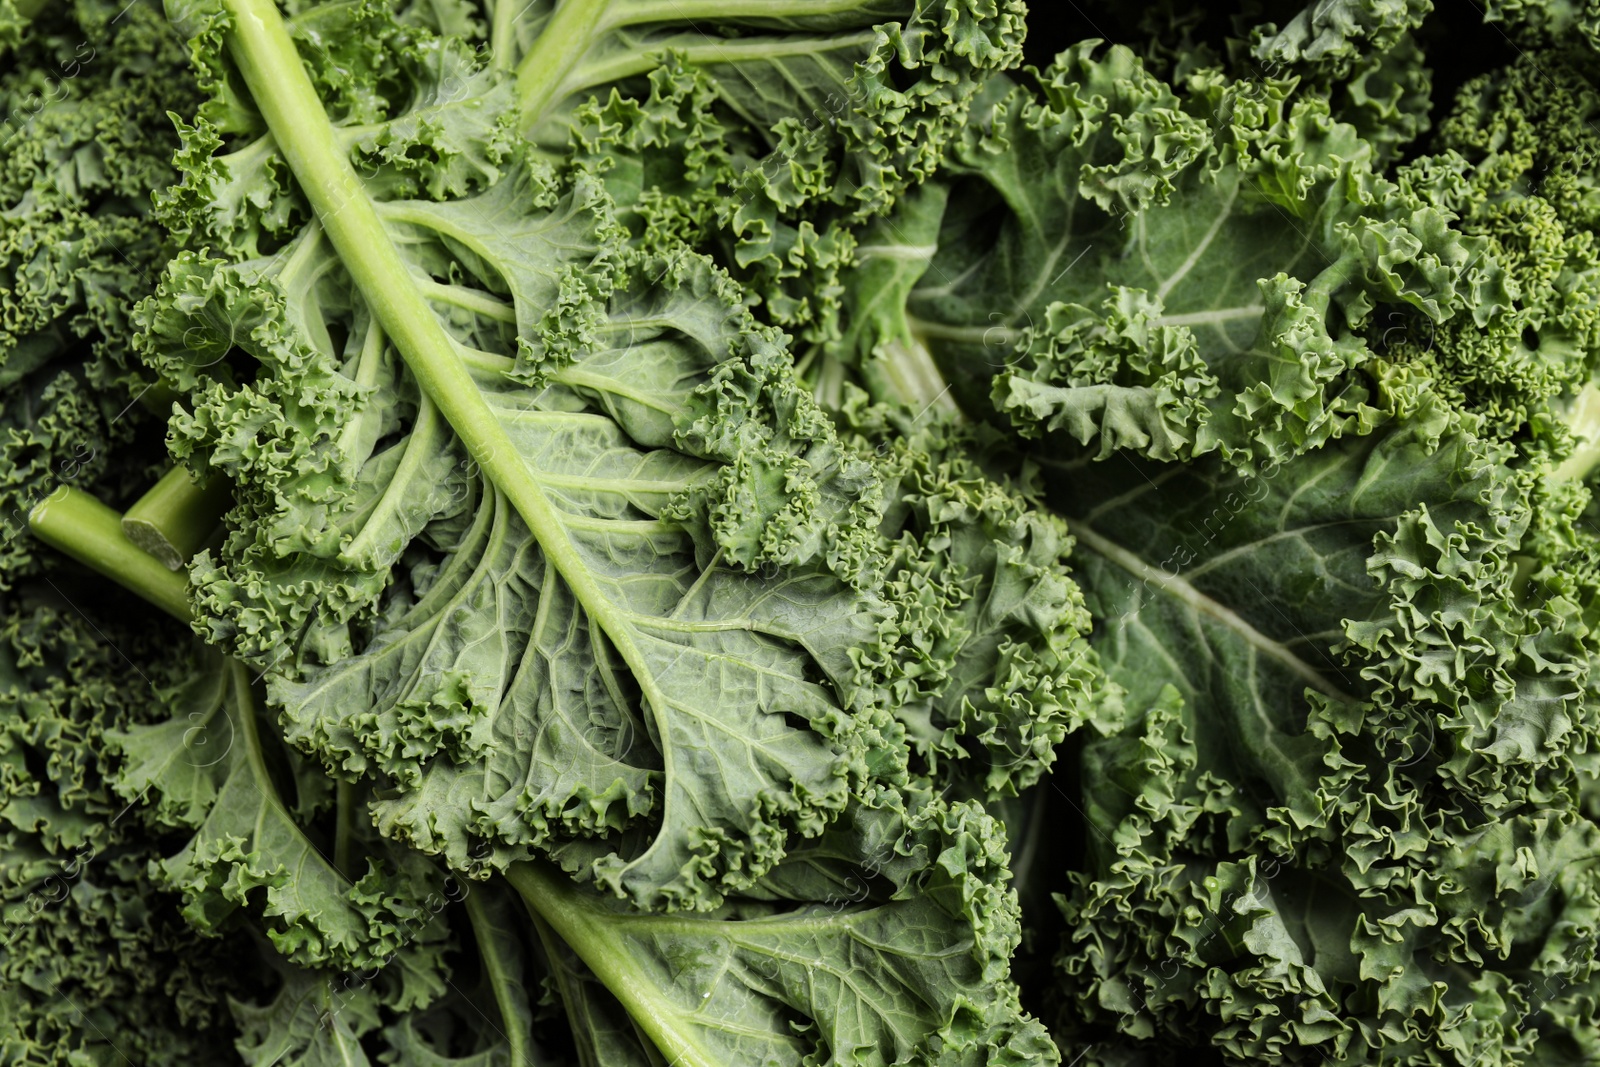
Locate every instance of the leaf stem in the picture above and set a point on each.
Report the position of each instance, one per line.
(503, 32)
(895, 255)
(696, 50)
(176, 516)
(491, 949)
(424, 438)
(91, 533)
(591, 933)
(908, 373)
(245, 705)
(645, 11)
(564, 40)
(357, 437)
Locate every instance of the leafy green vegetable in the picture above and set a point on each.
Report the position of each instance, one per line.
(650, 508)
(1322, 752)
(720, 532)
(95, 962)
(681, 567)
(1124, 267)
(1316, 434)
(865, 970)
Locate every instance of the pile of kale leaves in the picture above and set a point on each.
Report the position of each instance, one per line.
(751, 533)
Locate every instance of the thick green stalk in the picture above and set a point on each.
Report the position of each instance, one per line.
(255, 755)
(693, 10)
(585, 927)
(698, 51)
(176, 517)
(503, 32)
(267, 59)
(91, 533)
(424, 436)
(562, 42)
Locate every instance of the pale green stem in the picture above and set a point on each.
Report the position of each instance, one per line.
(829, 386)
(706, 53)
(908, 373)
(691, 10)
(367, 365)
(585, 927)
(176, 516)
(563, 41)
(424, 439)
(1585, 424)
(244, 701)
(502, 34)
(91, 533)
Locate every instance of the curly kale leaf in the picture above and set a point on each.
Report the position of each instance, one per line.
(1338, 34)
(95, 962)
(1516, 161)
(1364, 699)
(767, 141)
(1373, 61)
(84, 139)
(1127, 267)
(770, 140)
(885, 941)
(339, 1018)
(988, 602)
(715, 635)
(211, 770)
(618, 570)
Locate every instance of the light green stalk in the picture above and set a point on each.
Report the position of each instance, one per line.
(493, 951)
(563, 41)
(585, 927)
(176, 517)
(91, 533)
